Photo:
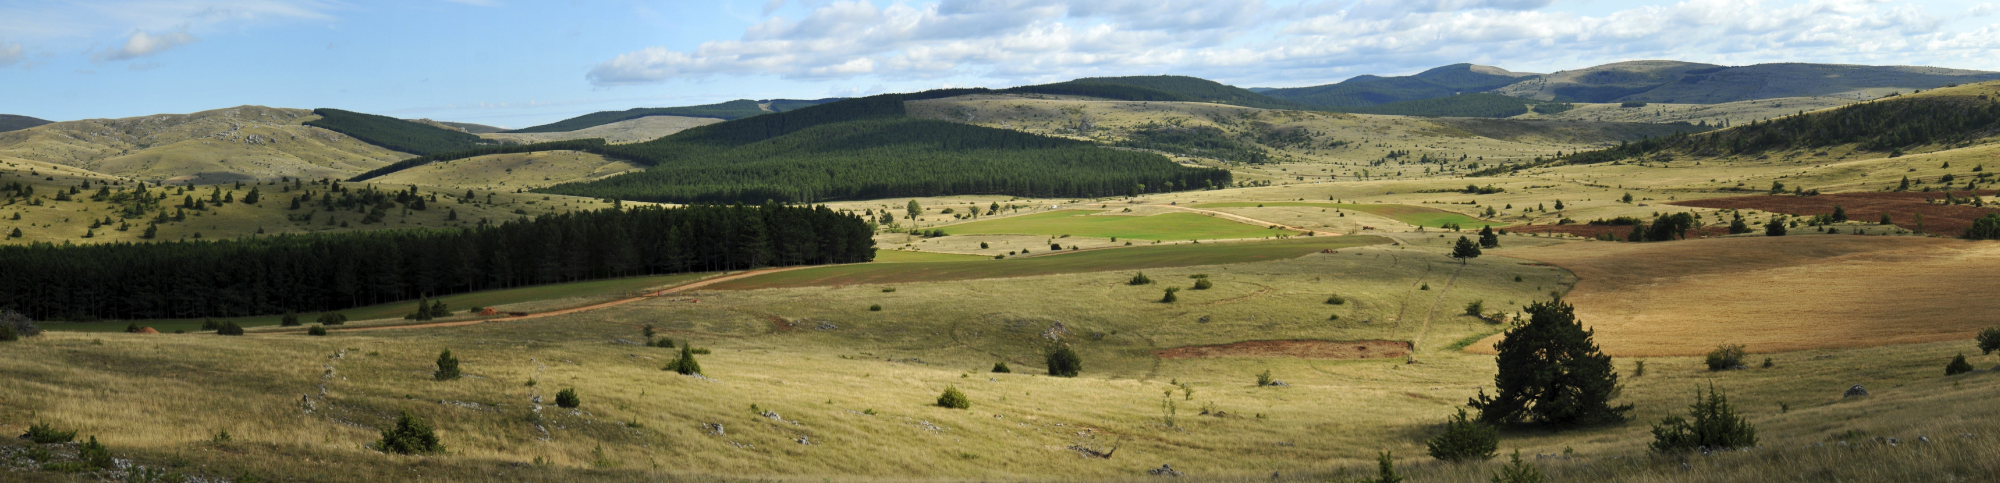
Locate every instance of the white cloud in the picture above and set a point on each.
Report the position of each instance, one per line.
(11, 54)
(142, 44)
(1252, 42)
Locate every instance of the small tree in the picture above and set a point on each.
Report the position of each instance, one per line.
(953, 399)
(566, 398)
(229, 328)
(1385, 464)
(1063, 362)
(1464, 440)
(1475, 308)
(1989, 340)
(1335, 300)
(1203, 284)
(316, 330)
(410, 436)
(685, 364)
(1775, 228)
(1518, 472)
(913, 209)
(1169, 298)
(1725, 357)
(94, 455)
(1957, 366)
(1464, 250)
(1487, 239)
(447, 366)
(1715, 426)
(1139, 279)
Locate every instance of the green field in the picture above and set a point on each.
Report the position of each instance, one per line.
(1415, 215)
(904, 256)
(461, 302)
(1169, 226)
(1090, 261)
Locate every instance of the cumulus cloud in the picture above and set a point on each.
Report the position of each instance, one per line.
(1252, 41)
(11, 54)
(141, 44)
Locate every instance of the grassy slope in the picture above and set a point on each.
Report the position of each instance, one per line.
(222, 145)
(1168, 226)
(406, 136)
(627, 131)
(737, 109)
(1414, 215)
(1076, 262)
(509, 171)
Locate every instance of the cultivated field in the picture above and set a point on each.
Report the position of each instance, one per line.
(1090, 223)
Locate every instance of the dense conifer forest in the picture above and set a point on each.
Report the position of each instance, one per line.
(1888, 125)
(307, 273)
(862, 148)
(396, 134)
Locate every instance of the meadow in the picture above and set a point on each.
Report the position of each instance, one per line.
(1098, 224)
(1412, 215)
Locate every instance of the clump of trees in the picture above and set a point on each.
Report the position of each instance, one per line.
(1725, 357)
(1551, 373)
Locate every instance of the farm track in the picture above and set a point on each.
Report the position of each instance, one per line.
(1426, 327)
(670, 290)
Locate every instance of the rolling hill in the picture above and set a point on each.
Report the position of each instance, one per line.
(397, 134)
(222, 145)
(1691, 83)
(1944, 117)
(737, 109)
(10, 122)
(1368, 90)
(1174, 88)
(627, 131)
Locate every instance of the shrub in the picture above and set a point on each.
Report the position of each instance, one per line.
(43, 433)
(447, 366)
(1957, 366)
(316, 330)
(1475, 308)
(1989, 340)
(701, 350)
(93, 454)
(1464, 440)
(953, 399)
(1001, 367)
(1386, 464)
(567, 398)
(15, 325)
(332, 318)
(1725, 357)
(1203, 284)
(1063, 362)
(685, 364)
(409, 436)
(210, 324)
(1264, 378)
(1518, 472)
(1169, 298)
(289, 320)
(1335, 300)
(875, 308)
(664, 343)
(229, 328)
(1140, 279)
(648, 331)
(1638, 368)
(1715, 426)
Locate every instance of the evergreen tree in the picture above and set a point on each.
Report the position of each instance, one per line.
(1551, 373)
(1465, 250)
(1518, 471)
(953, 399)
(686, 364)
(289, 320)
(251, 199)
(566, 398)
(1989, 340)
(447, 366)
(914, 209)
(410, 436)
(1063, 362)
(1385, 465)
(1957, 366)
(1716, 426)
(1487, 239)
(1464, 440)
(1775, 228)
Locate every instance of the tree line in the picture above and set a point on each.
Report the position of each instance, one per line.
(320, 272)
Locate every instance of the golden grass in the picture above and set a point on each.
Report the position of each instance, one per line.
(1775, 294)
(510, 171)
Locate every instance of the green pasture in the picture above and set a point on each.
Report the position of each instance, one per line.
(905, 256)
(1168, 226)
(1415, 215)
(1135, 258)
(457, 303)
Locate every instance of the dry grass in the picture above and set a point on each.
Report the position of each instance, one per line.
(1776, 294)
(510, 171)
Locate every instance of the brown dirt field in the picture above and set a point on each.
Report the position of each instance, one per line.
(1776, 294)
(1303, 349)
(1866, 207)
(1591, 231)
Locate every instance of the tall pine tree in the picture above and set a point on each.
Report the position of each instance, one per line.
(1551, 374)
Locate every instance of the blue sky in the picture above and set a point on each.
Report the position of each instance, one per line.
(517, 63)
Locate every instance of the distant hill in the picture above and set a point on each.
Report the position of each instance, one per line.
(627, 131)
(473, 128)
(1368, 90)
(737, 109)
(10, 122)
(1690, 83)
(1466, 105)
(221, 145)
(397, 134)
(1953, 116)
(1182, 88)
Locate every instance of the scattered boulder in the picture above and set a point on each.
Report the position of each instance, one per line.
(1857, 390)
(713, 428)
(1277, 383)
(1165, 470)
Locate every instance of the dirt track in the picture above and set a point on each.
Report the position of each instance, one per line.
(671, 290)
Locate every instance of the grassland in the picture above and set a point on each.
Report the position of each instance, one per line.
(1090, 223)
(1413, 215)
(1135, 258)
(510, 171)
(222, 145)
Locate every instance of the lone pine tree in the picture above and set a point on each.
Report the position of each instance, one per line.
(1551, 373)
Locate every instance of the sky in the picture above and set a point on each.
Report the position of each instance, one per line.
(518, 63)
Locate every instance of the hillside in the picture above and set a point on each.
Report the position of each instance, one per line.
(1369, 90)
(10, 122)
(737, 109)
(510, 171)
(472, 128)
(1462, 105)
(222, 145)
(1177, 88)
(397, 134)
(1690, 83)
(627, 131)
(1718, 115)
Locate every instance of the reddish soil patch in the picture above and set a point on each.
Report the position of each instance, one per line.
(1902, 208)
(147, 330)
(1303, 349)
(1619, 231)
